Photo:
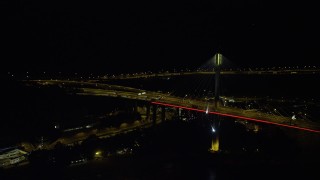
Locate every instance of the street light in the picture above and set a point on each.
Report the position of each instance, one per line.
(184, 97)
(293, 118)
(213, 130)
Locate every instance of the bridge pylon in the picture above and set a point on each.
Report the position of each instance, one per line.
(217, 60)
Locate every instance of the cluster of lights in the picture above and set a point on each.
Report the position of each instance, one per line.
(174, 71)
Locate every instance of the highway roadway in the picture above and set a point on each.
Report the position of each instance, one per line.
(99, 89)
(224, 72)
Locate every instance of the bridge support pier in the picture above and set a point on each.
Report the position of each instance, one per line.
(217, 62)
(163, 113)
(217, 88)
(148, 113)
(135, 106)
(154, 114)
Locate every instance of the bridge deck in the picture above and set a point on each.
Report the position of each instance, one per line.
(98, 89)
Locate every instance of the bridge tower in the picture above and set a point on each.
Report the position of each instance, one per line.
(217, 60)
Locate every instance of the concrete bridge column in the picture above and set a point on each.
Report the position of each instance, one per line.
(163, 113)
(217, 88)
(217, 62)
(135, 106)
(154, 114)
(148, 112)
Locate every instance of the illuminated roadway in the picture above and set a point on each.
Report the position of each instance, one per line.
(225, 72)
(98, 89)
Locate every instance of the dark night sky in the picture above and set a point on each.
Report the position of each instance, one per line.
(118, 36)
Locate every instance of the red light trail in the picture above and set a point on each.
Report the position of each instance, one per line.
(239, 117)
